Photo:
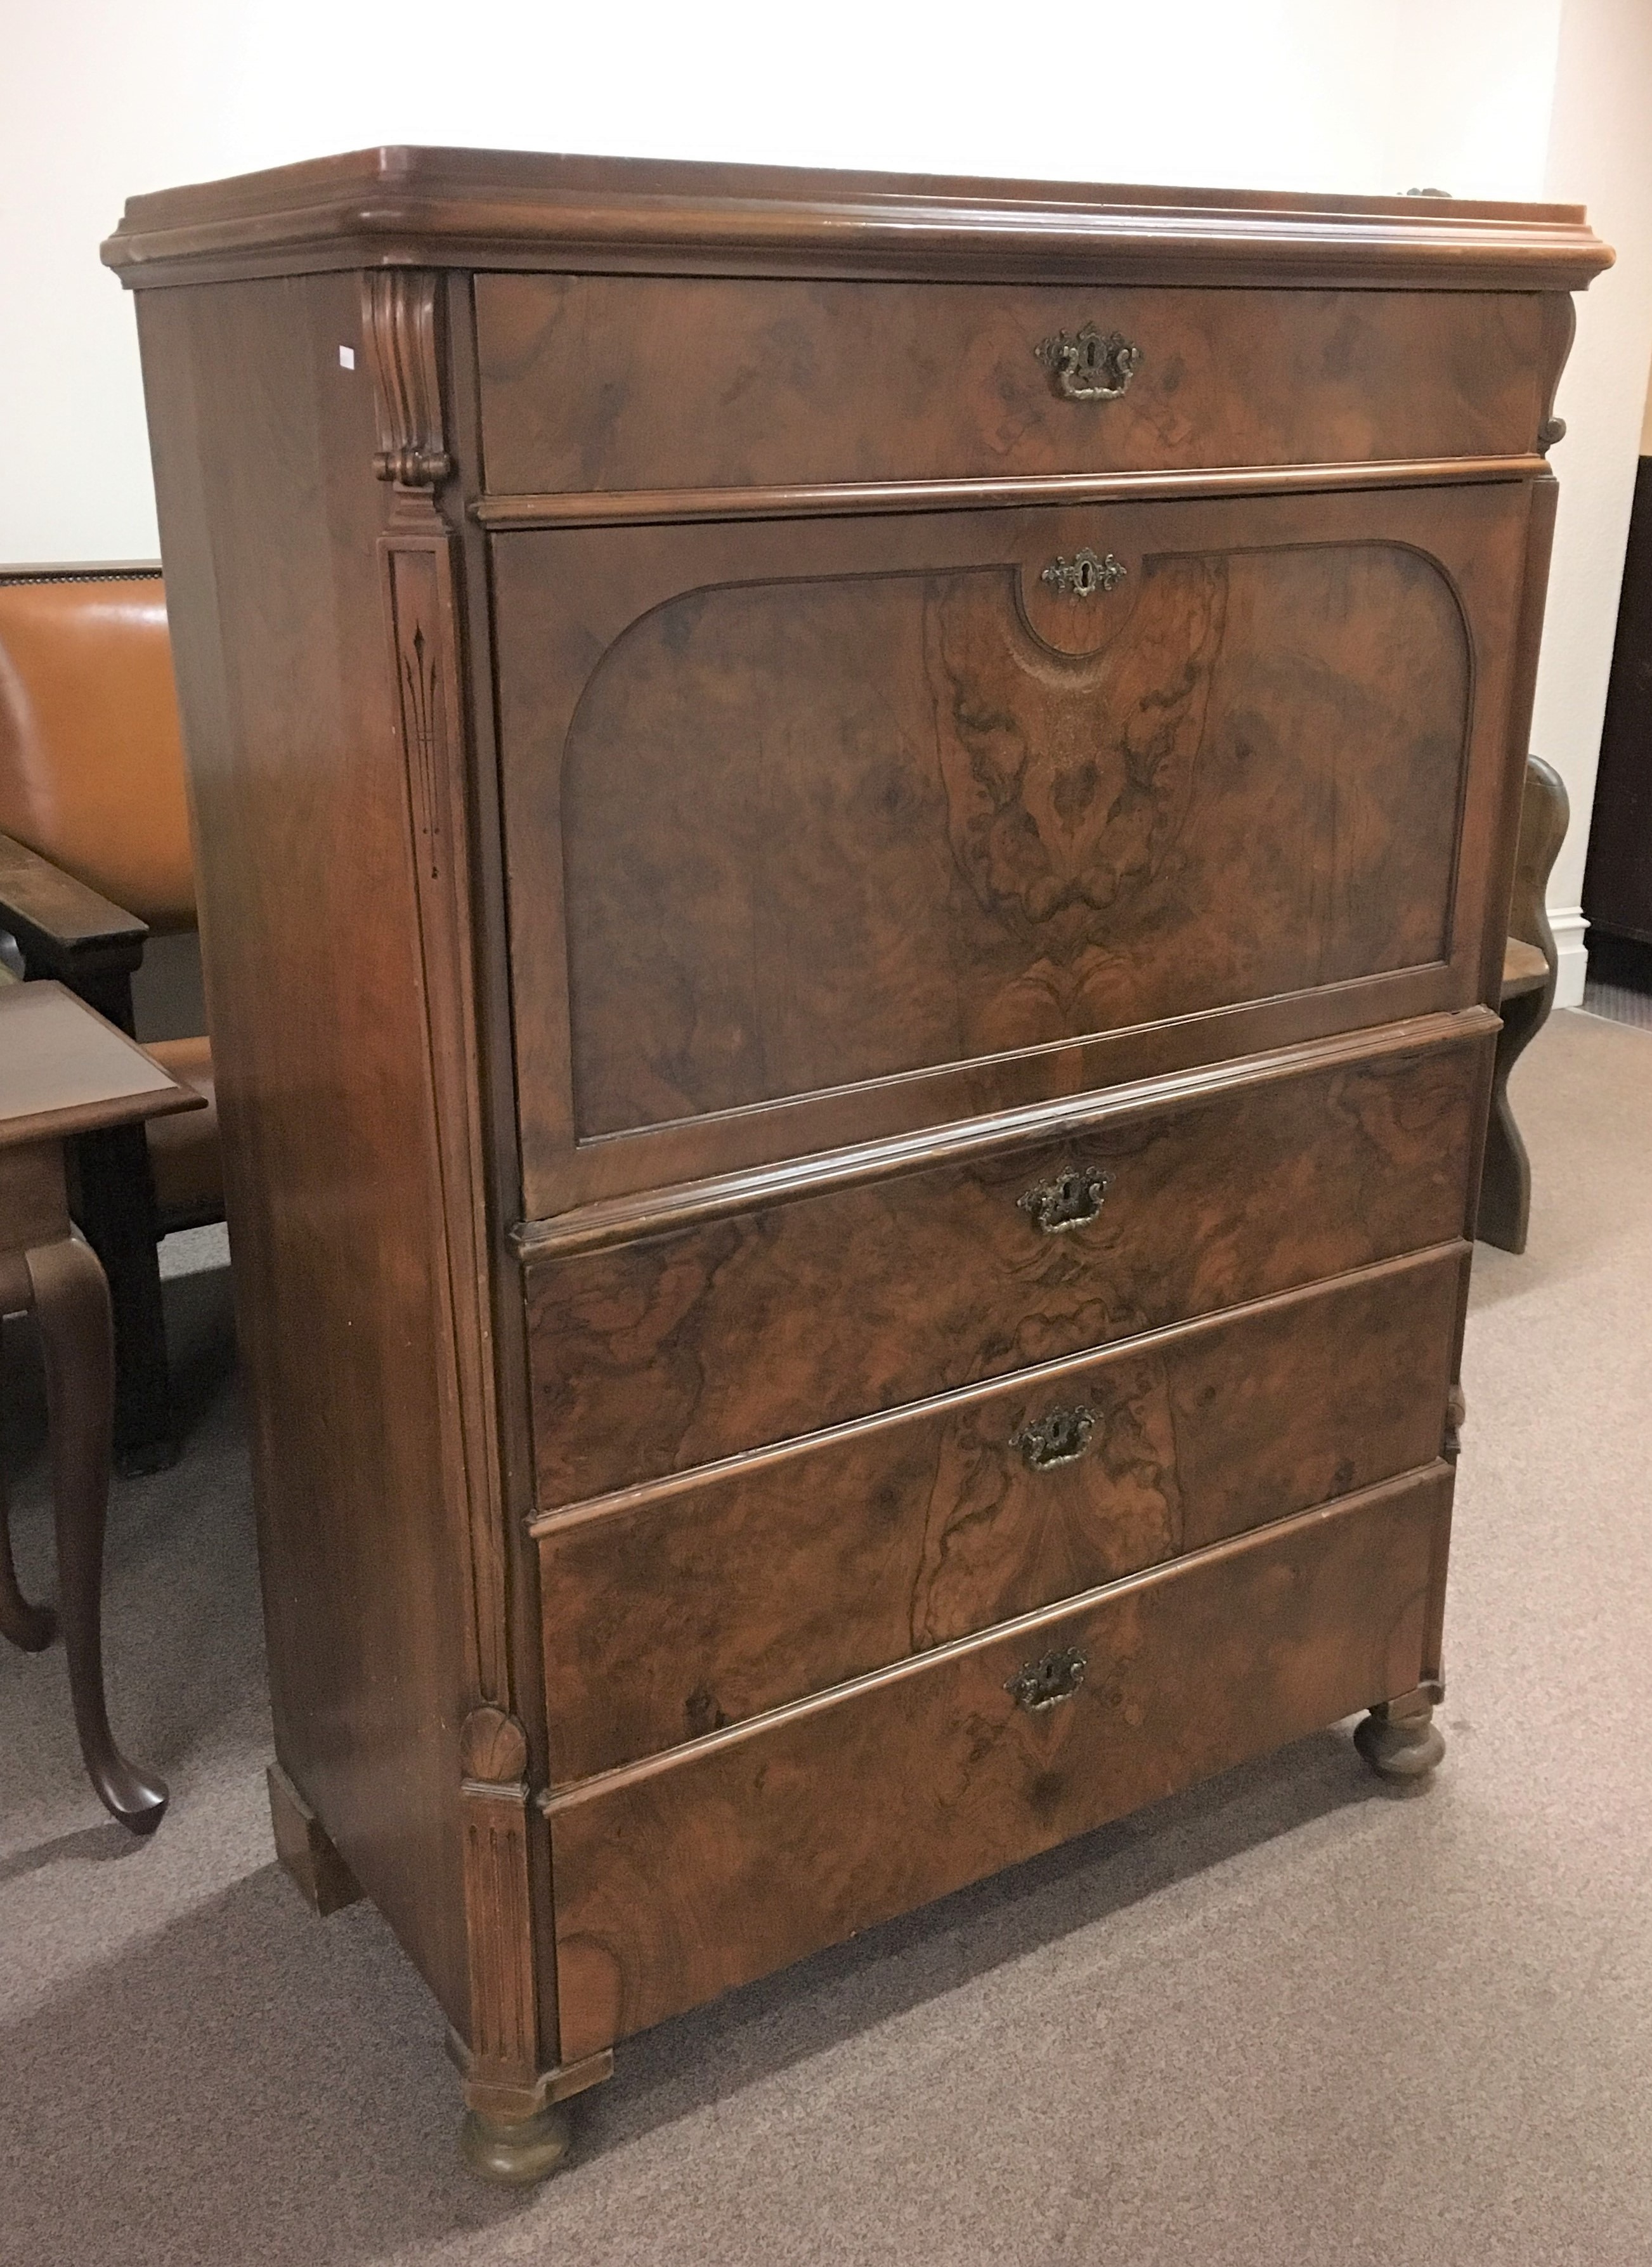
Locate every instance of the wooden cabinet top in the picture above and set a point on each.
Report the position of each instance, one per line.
(388, 207)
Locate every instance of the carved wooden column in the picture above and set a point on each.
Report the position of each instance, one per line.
(1400, 1739)
(400, 322)
(512, 2130)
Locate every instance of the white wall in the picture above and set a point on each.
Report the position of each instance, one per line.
(99, 100)
(1600, 152)
(1498, 97)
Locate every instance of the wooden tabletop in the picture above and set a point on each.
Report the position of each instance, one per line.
(64, 1069)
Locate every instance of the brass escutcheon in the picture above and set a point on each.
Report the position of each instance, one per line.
(1060, 1438)
(1084, 366)
(1084, 576)
(1068, 1201)
(1042, 1684)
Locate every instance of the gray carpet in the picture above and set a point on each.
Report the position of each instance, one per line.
(1293, 2017)
(1618, 1003)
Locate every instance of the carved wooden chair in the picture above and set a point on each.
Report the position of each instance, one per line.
(94, 855)
(1531, 964)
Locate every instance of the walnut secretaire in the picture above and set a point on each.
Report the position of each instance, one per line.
(854, 836)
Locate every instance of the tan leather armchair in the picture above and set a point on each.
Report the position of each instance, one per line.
(94, 856)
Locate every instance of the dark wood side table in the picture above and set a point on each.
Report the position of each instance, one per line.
(64, 1071)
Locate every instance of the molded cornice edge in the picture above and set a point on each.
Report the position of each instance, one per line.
(487, 209)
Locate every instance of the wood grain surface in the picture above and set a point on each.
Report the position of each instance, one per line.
(839, 499)
(824, 830)
(493, 209)
(679, 1878)
(269, 519)
(658, 1211)
(780, 382)
(816, 834)
(655, 1356)
(701, 1604)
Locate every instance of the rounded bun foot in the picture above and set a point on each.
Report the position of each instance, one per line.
(518, 2153)
(1404, 1747)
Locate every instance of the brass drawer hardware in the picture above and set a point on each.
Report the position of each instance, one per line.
(1083, 575)
(1086, 367)
(1043, 1684)
(1070, 1200)
(1061, 1438)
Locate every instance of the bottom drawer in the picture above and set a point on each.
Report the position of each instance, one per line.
(678, 1877)
(697, 1603)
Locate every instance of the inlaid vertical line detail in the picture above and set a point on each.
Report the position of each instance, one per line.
(419, 603)
(421, 692)
(505, 2024)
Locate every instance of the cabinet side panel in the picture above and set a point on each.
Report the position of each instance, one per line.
(263, 447)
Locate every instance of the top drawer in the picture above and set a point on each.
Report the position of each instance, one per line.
(607, 383)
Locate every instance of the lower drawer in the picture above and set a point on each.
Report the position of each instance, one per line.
(679, 1609)
(679, 1877)
(654, 1356)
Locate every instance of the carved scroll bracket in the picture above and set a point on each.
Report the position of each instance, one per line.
(401, 315)
(1561, 327)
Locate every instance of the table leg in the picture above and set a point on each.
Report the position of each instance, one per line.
(30, 1627)
(71, 1307)
(117, 1214)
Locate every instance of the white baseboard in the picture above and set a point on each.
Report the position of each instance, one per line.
(1568, 925)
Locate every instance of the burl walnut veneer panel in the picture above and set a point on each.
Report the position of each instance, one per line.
(698, 1605)
(824, 830)
(821, 832)
(679, 1877)
(638, 382)
(683, 1347)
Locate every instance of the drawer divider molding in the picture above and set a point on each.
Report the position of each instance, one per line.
(1029, 1628)
(657, 1212)
(833, 499)
(616, 1501)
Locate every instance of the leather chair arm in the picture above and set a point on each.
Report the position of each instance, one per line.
(63, 928)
